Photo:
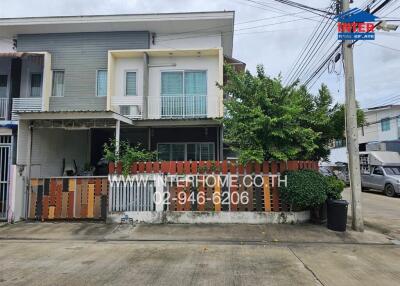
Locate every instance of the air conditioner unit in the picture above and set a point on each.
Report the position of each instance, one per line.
(131, 111)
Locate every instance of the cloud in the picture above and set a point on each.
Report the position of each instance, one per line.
(275, 46)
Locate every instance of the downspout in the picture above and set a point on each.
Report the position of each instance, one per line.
(28, 171)
(145, 113)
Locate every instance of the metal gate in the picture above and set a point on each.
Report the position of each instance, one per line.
(5, 161)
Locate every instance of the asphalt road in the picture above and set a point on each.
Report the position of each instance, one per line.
(380, 212)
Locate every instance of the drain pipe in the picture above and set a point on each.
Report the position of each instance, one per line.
(28, 171)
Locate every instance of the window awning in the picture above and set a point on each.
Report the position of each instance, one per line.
(17, 55)
(74, 115)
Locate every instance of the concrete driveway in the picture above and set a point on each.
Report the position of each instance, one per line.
(380, 212)
(98, 254)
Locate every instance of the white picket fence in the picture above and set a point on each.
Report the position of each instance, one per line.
(136, 196)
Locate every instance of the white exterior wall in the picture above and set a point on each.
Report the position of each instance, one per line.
(6, 46)
(338, 155)
(374, 131)
(186, 41)
(157, 65)
(50, 146)
(121, 67)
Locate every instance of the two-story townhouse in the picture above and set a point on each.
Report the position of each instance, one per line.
(382, 125)
(78, 82)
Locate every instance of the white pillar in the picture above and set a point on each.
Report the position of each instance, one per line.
(117, 136)
(159, 196)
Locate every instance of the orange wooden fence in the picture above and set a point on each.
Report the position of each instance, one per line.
(68, 198)
(261, 197)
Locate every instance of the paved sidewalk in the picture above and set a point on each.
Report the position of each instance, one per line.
(304, 233)
(100, 254)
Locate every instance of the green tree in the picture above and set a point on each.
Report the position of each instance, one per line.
(338, 120)
(266, 120)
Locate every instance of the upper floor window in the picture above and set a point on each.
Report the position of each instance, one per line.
(58, 83)
(385, 124)
(184, 83)
(101, 85)
(184, 94)
(36, 85)
(130, 83)
(3, 85)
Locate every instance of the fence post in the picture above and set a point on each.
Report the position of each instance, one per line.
(159, 195)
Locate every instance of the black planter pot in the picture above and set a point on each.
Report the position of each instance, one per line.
(337, 215)
(319, 214)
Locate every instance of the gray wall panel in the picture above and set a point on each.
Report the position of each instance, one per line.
(80, 55)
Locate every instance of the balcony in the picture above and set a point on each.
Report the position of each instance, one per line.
(4, 108)
(178, 106)
(25, 105)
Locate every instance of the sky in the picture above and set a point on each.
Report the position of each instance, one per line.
(272, 38)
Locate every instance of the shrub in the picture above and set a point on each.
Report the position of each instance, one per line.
(335, 188)
(127, 154)
(304, 189)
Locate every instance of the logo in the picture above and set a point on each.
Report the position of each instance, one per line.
(356, 24)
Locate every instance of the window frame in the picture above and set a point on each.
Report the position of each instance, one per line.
(126, 83)
(186, 147)
(183, 71)
(7, 85)
(30, 84)
(97, 82)
(52, 85)
(385, 121)
(378, 168)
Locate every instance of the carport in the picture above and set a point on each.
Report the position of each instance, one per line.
(53, 154)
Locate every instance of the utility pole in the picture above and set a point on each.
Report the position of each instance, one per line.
(352, 132)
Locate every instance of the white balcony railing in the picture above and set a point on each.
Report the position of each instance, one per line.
(178, 106)
(25, 105)
(4, 108)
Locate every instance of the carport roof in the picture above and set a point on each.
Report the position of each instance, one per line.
(70, 115)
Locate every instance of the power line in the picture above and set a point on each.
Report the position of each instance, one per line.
(304, 7)
(391, 97)
(311, 59)
(190, 36)
(325, 62)
(383, 46)
(312, 46)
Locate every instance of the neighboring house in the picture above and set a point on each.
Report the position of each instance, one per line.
(73, 83)
(381, 131)
(382, 124)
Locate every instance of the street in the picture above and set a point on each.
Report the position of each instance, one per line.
(380, 212)
(108, 254)
(100, 254)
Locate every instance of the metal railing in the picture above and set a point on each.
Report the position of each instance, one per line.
(4, 108)
(25, 105)
(178, 106)
(132, 196)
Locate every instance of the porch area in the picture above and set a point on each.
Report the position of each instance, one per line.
(62, 173)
